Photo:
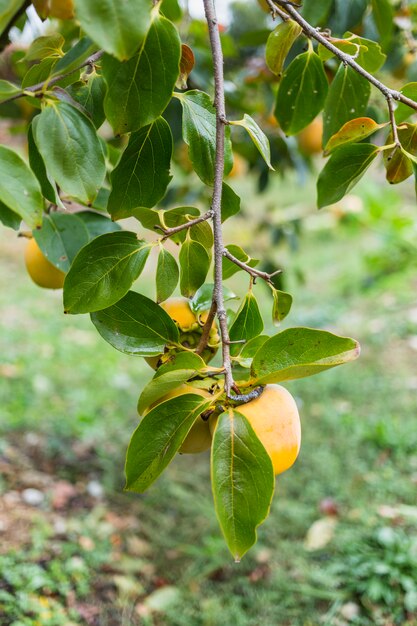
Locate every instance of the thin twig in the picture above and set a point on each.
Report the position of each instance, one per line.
(219, 103)
(168, 232)
(391, 110)
(250, 270)
(277, 11)
(202, 344)
(389, 94)
(50, 82)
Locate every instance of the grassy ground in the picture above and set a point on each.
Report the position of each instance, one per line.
(340, 546)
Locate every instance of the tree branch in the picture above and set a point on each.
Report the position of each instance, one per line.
(250, 270)
(207, 328)
(389, 94)
(219, 103)
(33, 89)
(168, 232)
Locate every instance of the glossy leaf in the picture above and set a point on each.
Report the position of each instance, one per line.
(194, 266)
(71, 150)
(48, 187)
(199, 132)
(353, 131)
(139, 91)
(61, 237)
(258, 137)
(343, 170)
(299, 352)
(158, 438)
(247, 324)
(302, 93)
(117, 27)
(403, 111)
(142, 175)
(398, 161)
(242, 480)
(279, 43)
(19, 188)
(282, 305)
(136, 325)
(170, 376)
(8, 8)
(230, 202)
(167, 275)
(103, 271)
(230, 268)
(171, 9)
(347, 99)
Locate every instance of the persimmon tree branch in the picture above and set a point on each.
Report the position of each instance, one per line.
(250, 270)
(168, 232)
(50, 82)
(220, 106)
(313, 33)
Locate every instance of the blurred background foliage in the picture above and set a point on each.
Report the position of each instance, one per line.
(341, 544)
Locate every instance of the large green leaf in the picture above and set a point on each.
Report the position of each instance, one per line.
(142, 175)
(8, 8)
(19, 188)
(300, 352)
(103, 271)
(279, 43)
(170, 376)
(302, 93)
(242, 480)
(194, 265)
(247, 323)
(199, 132)
(343, 170)
(117, 27)
(71, 150)
(140, 89)
(136, 326)
(167, 275)
(158, 438)
(347, 99)
(258, 137)
(61, 237)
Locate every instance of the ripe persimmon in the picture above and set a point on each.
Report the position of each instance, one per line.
(311, 137)
(41, 271)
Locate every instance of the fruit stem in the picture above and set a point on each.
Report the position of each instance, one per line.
(221, 121)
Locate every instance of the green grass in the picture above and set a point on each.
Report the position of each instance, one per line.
(62, 382)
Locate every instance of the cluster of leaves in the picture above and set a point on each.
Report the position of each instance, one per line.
(134, 77)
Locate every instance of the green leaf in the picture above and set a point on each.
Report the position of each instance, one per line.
(403, 111)
(61, 237)
(48, 187)
(398, 161)
(171, 9)
(353, 131)
(39, 72)
(9, 218)
(90, 96)
(167, 275)
(202, 299)
(299, 352)
(8, 8)
(343, 170)
(71, 150)
(45, 46)
(136, 326)
(247, 324)
(346, 14)
(230, 268)
(158, 438)
(103, 271)
(194, 266)
(75, 56)
(279, 43)
(282, 305)
(7, 90)
(302, 93)
(230, 202)
(199, 132)
(19, 188)
(117, 27)
(250, 349)
(97, 224)
(140, 90)
(347, 99)
(142, 175)
(258, 137)
(184, 366)
(316, 12)
(242, 479)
